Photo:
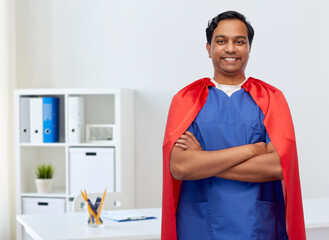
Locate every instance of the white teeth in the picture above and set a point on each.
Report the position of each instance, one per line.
(230, 59)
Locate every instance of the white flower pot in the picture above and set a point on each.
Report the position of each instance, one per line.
(44, 185)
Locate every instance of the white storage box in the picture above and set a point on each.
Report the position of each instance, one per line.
(91, 169)
(43, 205)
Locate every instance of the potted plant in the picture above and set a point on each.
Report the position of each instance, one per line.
(45, 173)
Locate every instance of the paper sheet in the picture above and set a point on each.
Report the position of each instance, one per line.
(126, 215)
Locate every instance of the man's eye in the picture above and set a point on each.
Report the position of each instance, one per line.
(240, 42)
(220, 41)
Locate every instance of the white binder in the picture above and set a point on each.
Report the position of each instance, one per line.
(24, 119)
(36, 120)
(76, 119)
(91, 169)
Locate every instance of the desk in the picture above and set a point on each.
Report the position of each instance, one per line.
(72, 226)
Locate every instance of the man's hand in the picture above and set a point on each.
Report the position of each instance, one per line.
(188, 141)
(251, 163)
(264, 167)
(189, 162)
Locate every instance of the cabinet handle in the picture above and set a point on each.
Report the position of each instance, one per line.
(42, 203)
(91, 154)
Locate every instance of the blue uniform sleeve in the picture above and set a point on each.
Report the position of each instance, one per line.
(193, 128)
(267, 138)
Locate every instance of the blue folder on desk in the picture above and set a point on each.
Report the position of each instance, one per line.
(125, 215)
(50, 112)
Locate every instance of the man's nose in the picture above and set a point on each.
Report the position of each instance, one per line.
(230, 47)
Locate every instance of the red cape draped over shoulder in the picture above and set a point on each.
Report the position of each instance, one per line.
(184, 108)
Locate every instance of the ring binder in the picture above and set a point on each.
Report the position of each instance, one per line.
(50, 119)
(36, 124)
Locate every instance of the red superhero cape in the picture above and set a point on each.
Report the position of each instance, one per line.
(184, 108)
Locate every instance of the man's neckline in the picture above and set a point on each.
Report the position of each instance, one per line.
(218, 85)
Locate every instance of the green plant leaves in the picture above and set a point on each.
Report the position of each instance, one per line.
(44, 171)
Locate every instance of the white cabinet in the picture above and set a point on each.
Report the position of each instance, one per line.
(92, 169)
(109, 110)
(41, 206)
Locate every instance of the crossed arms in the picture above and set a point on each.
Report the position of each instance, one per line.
(249, 163)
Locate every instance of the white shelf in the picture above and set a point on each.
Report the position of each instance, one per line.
(110, 144)
(55, 193)
(102, 107)
(42, 144)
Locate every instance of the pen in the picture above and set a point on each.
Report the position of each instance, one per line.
(95, 207)
(84, 197)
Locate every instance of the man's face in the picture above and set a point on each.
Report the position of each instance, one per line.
(229, 48)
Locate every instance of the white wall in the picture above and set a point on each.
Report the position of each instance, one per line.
(7, 85)
(157, 47)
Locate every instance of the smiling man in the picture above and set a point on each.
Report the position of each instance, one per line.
(229, 48)
(229, 151)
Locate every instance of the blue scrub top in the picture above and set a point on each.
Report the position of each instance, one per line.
(216, 208)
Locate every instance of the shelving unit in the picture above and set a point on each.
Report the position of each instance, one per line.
(101, 106)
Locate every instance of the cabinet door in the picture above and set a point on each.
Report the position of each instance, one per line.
(91, 169)
(43, 205)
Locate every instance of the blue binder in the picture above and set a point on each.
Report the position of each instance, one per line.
(50, 112)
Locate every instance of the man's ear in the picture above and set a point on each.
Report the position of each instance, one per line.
(208, 46)
(250, 48)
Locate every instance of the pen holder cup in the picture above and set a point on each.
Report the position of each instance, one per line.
(92, 211)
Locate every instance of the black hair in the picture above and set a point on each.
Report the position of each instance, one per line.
(228, 15)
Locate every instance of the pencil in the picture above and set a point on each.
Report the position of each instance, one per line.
(101, 205)
(90, 211)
